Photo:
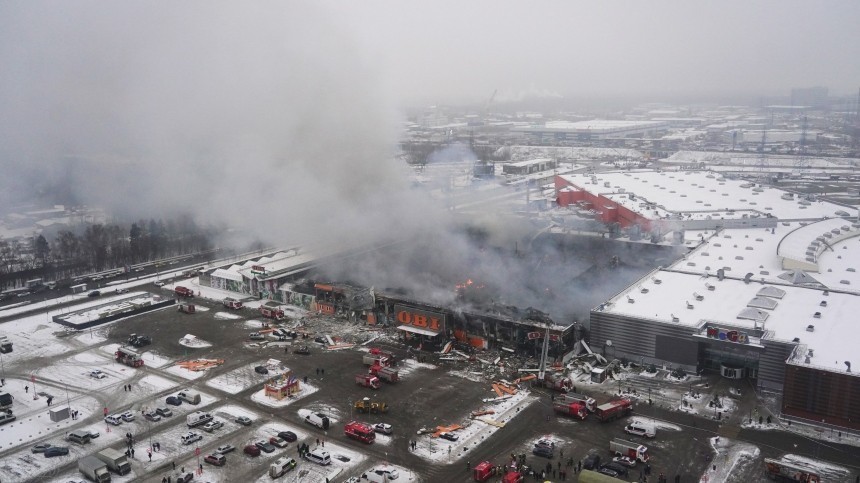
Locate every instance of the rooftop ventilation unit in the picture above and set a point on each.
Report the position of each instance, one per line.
(710, 287)
(747, 277)
(848, 365)
(823, 303)
(810, 328)
(698, 297)
(675, 319)
(817, 315)
(630, 299)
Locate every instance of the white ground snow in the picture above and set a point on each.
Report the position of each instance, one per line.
(260, 396)
(729, 456)
(240, 379)
(194, 342)
(227, 316)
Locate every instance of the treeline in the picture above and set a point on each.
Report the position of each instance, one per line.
(103, 246)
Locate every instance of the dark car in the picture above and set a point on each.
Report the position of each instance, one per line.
(94, 293)
(252, 450)
(261, 370)
(591, 462)
(265, 446)
(288, 436)
(56, 451)
(41, 447)
(173, 401)
(449, 436)
(303, 350)
(244, 420)
(617, 467)
(541, 450)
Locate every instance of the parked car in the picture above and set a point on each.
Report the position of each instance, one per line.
(41, 447)
(279, 442)
(382, 428)
(190, 437)
(624, 461)
(213, 425)
(127, 416)
(185, 477)
(540, 450)
(261, 370)
(303, 350)
(449, 436)
(56, 451)
(545, 442)
(97, 374)
(164, 412)
(159, 283)
(152, 416)
(225, 448)
(288, 436)
(265, 446)
(591, 462)
(94, 293)
(252, 450)
(173, 401)
(244, 420)
(387, 473)
(216, 459)
(256, 336)
(122, 290)
(613, 469)
(94, 434)
(111, 419)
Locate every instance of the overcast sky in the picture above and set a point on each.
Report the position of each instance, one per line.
(444, 50)
(244, 110)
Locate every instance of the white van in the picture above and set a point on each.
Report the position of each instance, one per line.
(640, 428)
(191, 397)
(319, 420)
(319, 457)
(280, 467)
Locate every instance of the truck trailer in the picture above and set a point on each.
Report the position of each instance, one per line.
(115, 461)
(574, 409)
(94, 469)
(387, 374)
(613, 410)
(634, 451)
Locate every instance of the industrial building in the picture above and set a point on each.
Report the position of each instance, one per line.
(596, 129)
(770, 304)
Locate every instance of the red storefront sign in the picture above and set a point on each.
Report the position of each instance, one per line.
(420, 319)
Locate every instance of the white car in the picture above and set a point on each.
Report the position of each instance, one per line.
(97, 374)
(159, 283)
(387, 473)
(382, 428)
(111, 419)
(127, 416)
(212, 425)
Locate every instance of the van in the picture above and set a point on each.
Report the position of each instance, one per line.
(79, 436)
(281, 467)
(639, 428)
(319, 420)
(319, 457)
(190, 397)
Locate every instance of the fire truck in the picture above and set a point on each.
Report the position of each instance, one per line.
(620, 447)
(483, 471)
(271, 311)
(574, 409)
(128, 357)
(785, 471)
(377, 354)
(183, 291)
(387, 374)
(368, 380)
(232, 303)
(557, 382)
(360, 431)
(513, 477)
(613, 410)
(586, 401)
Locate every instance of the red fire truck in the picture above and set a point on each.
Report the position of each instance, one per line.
(557, 382)
(232, 303)
(387, 374)
(271, 311)
(483, 471)
(620, 447)
(613, 410)
(360, 431)
(574, 409)
(128, 357)
(586, 401)
(513, 477)
(183, 291)
(368, 380)
(785, 471)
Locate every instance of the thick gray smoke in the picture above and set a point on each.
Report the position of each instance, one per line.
(260, 115)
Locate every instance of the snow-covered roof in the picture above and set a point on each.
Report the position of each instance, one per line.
(697, 195)
(227, 274)
(802, 247)
(672, 301)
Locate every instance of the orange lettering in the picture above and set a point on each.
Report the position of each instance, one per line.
(434, 324)
(419, 320)
(404, 317)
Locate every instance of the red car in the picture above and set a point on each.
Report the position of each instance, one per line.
(252, 450)
(215, 459)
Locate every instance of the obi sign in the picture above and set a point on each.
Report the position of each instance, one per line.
(420, 319)
(727, 335)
